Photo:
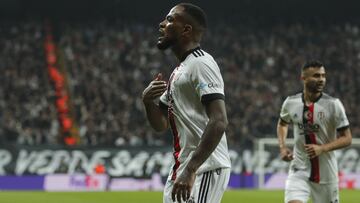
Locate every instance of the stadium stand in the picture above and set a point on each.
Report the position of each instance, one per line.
(27, 114)
(110, 62)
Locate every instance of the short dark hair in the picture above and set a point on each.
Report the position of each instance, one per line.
(196, 13)
(312, 64)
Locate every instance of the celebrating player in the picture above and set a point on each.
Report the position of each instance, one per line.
(320, 126)
(192, 105)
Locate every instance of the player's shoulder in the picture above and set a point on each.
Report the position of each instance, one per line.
(294, 97)
(327, 97)
(199, 56)
(198, 53)
(292, 100)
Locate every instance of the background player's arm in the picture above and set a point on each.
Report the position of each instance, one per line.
(344, 136)
(282, 131)
(156, 116)
(343, 140)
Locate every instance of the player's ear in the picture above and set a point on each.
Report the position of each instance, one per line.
(187, 29)
(302, 76)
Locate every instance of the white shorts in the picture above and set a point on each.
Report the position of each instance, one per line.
(209, 187)
(300, 188)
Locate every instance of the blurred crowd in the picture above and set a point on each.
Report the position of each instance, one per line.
(109, 64)
(27, 113)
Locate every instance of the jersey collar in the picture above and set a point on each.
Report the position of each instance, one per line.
(188, 52)
(316, 100)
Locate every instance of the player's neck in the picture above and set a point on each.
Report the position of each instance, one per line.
(179, 51)
(311, 97)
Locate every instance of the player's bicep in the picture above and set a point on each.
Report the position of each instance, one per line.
(164, 108)
(344, 132)
(341, 120)
(285, 117)
(207, 81)
(283, 123)
(282, 131)
(345, 135)
(216, 110)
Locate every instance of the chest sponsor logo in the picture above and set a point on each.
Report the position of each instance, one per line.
(309, 128)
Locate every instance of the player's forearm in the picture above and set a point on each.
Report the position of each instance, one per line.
(156, 118)
(209, 141)
(342, 141)
(282, 131)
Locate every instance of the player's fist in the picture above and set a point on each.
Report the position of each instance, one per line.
(158, 77)
(286, 154)
(313, 150)
(154, 90)
(183, 185)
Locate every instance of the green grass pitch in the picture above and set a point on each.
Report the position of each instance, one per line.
(231, 196)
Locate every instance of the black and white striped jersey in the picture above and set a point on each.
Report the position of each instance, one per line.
(194, 83)
(316, 123)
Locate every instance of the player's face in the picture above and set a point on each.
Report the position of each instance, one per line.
(170, 29)
(314, 79)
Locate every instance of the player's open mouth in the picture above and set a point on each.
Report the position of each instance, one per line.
(162, 34)
(320, 86)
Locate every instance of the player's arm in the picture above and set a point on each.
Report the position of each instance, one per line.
(282, 131)
(154, 113)
(344, 136)
(210, 139)
(212, 97)
(212, 135)
(343, 140)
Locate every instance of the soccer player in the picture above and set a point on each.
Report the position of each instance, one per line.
(192, 105)
(320, 126)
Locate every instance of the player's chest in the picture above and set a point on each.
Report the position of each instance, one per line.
(310, 115)
(179, 80)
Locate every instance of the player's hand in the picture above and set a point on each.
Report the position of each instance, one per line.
(154, 90)
(183, 185)
(286, 154)
(313, 150)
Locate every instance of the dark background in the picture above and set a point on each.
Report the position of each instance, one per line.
(153, 10)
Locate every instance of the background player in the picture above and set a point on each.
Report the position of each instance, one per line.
(192, 105)
(320, 126)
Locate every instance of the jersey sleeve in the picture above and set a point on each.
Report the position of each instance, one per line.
(207, 80)
(284, 113)
(341, 120)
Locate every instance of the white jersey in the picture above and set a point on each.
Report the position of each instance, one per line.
(317, 123)
(195, 82)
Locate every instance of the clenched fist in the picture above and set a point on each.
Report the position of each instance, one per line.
(154, 90)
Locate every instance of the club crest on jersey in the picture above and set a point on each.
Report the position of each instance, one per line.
(321, 115)
(308, 115)
(190, 200)
(177, 76)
